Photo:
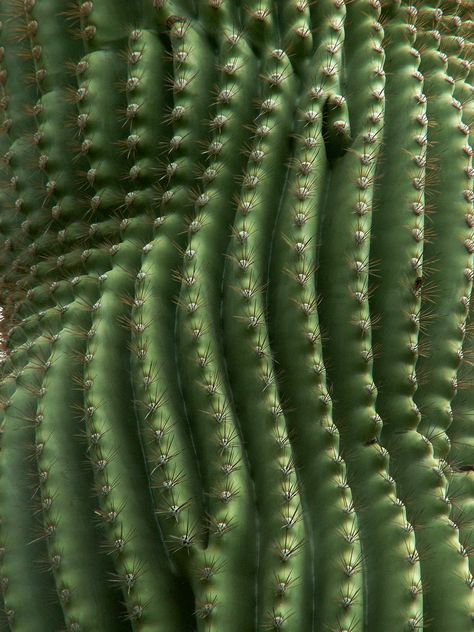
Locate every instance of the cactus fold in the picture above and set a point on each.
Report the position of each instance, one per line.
(236, 391)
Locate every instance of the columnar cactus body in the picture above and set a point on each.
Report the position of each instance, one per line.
(236, 271)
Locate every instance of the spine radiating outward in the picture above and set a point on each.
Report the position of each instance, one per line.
(236, 385)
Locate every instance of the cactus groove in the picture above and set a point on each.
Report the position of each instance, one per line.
(236, 269)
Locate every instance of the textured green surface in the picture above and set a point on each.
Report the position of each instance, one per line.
(236, 243)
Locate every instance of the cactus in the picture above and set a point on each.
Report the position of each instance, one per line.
(236, 384)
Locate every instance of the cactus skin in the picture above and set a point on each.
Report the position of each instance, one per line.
(236, 275)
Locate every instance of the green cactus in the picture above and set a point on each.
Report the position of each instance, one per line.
(236, 385)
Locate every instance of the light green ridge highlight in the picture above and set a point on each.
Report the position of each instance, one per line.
(192, 63)
(21, 93)
(460, 478)
(11, 364)
(53, 36)
(194, 74)
(225, 523)
(153, 353)
(396, 302)
(22, 536)
(145, 108)
(296, 340)
(421, 480)
(142, 569)
(225, 477)
(294, 23)
(166, 12)
(219, 16)
(282, 542)
(259, 24)
(36, 73)
(398, 239)
(21, 193)
(452, 252)
(82, 574)
(103, 24)
(346, 321)
(168, 449)
(461, 430)
(461, 491)
(52, 51)
(461, 459)
(97, 97)
(9, 178)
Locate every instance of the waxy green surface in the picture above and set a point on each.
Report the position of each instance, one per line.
(236, 392)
